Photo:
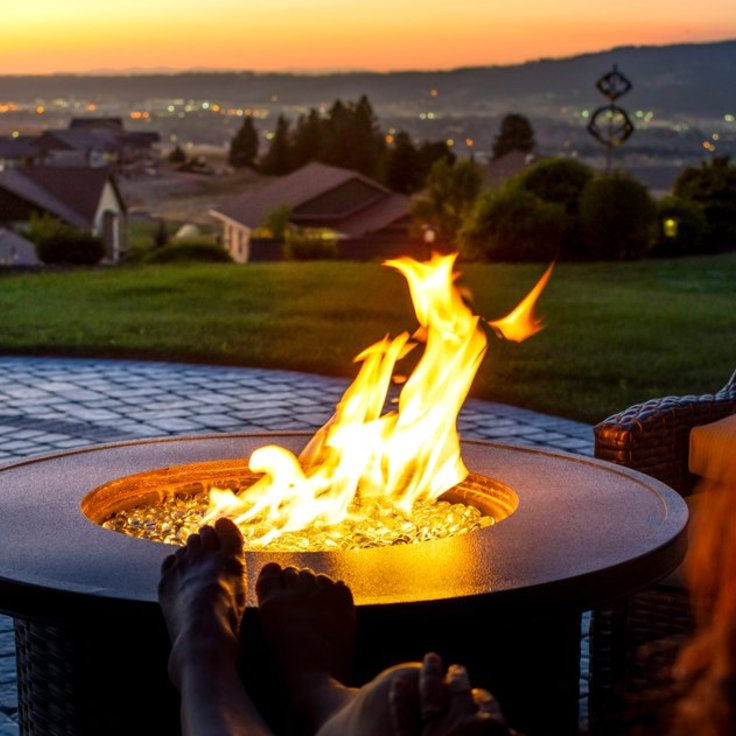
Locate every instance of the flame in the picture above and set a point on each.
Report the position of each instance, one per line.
(361, 454)
(521, 322)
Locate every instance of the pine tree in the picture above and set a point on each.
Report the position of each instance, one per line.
(308, 137)
(244, 145)
(278, 159)
(516, 134)
(400, 165)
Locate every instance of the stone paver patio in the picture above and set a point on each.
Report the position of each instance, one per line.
(53, 404)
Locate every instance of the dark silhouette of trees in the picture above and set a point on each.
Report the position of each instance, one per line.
(307, 138)
(278, 159)
(450, 194)
(401, 165)
(516, 134)
(404, 167)
(350, 137)
(177, 155)
(244, 145)
(712, 186)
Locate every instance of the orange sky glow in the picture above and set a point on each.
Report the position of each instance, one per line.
(47, 36)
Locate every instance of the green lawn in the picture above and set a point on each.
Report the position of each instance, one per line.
(617, 333)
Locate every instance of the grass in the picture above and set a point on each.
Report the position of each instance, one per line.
(617, 333)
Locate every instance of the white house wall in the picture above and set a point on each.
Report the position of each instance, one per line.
(109, 203)
(235, 238)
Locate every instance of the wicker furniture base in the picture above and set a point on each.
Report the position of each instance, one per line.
(635, 642)
(633, 647)
(59, 694)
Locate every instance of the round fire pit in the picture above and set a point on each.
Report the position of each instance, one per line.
(583, 532)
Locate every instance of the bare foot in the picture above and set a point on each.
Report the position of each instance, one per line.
(202, 596)
(442, 704)
(309, 621)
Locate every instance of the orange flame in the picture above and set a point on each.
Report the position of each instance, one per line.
(407, 455)
(522, 323)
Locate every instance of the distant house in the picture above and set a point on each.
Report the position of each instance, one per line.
(85, 198)
(336, 202)
(94, 142)
(17, 152)
(15, 250)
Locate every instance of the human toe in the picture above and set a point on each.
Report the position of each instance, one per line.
(270, 579)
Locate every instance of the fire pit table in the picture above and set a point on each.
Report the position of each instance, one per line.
(505, 600)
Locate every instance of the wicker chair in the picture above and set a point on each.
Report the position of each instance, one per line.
(634, 642)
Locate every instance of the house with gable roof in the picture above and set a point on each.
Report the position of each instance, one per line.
(336, 202)
(85, 198)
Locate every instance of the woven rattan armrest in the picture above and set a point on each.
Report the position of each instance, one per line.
(653, 437)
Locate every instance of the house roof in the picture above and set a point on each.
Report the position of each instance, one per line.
(375, 217)
(292, 190)
(14, 148)
(73, 194)
(95, 122)
(80, 140)
(509, 165)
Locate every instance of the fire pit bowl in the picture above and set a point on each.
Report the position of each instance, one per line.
(506, 599)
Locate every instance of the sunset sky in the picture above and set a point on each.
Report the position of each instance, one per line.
(46, 36)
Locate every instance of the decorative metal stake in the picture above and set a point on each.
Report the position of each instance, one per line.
(610, 124)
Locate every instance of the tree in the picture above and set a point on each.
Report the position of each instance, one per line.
(401, 170)
(561, 181)
(276, 222)
(516, 134)
(161, 236)
(429, 152)
(512, 224)
(278, 158)
(713, 187)
(244, 145)
(177, 155)
(618, 217)
(449, 195)
(307, 138)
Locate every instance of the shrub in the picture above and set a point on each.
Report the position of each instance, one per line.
(59, 243)
(301, 245)
(512, 224)
(680, 227)
(712, 186)
(561, 181)
(187, 251)
(618, 217)
(557, 180)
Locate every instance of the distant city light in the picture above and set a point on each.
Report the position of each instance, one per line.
(171, 108)
(216, 108)
(469, 142)
(433, 92)
(40, 109)
(390, 139)
(716, 137)
(729, 118)
(585, 114)
(709, 146)
(205, 105)
(15, 134)
(91, 107)
(450, 142)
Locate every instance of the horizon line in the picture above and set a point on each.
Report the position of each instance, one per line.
(329, 71)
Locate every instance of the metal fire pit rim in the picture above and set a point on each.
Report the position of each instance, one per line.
(666, 554)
